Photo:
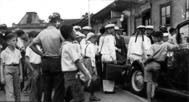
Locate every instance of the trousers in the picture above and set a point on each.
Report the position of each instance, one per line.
(53, 79)
(36, 84)
(12, 83)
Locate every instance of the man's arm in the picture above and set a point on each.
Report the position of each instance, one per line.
(21, 71)
(2, 72)
(33, 46)
(28, 63)
(81, 67)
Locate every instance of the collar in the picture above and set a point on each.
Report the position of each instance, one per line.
(51, 27)
(8, 50)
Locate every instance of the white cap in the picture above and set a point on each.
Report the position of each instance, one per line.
(149, 27)
(76, 27)
(109, 26)
(79, 34)
(117, 28)
(141, 26)
(165, 34)
(89, 35)
(87, 28)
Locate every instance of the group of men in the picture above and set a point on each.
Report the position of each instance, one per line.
(58, 59)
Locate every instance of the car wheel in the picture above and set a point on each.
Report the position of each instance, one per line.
(137, 81)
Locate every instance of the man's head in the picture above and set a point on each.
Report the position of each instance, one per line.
(93, 38)
(141, 30)
(32, 34)
(118, 30)
(86, 30)
(102, 30)
(172, 31)
(157, 36)
(67, 32)
(149, 30)
(21, 34)
(55, 19)
(165, 37)
(11, 39)
(110, 28)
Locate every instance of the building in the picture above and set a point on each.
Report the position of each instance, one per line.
(169, 12)
(70, 21)
(128, 14)
(30, 22)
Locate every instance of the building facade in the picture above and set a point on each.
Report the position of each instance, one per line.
(128, 14)
(30, 22)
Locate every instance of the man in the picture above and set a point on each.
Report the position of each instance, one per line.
(149, 32)
(165, 37)
(87, 31)
(50, 40)
(107, 49)
(172, 36)
(138, 45)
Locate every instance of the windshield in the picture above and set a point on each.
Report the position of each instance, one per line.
(184, 31)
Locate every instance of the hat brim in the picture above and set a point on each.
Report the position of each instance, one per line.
(94, 36)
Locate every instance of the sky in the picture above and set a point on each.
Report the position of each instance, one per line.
(11, 11)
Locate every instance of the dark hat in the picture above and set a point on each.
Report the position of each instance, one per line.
(10, 36)
(55, 17)
(157, 34)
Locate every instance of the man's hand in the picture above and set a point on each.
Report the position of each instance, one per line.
(119, 50)
(21, 78)
(35, 73)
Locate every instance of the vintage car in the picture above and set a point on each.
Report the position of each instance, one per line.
(174, 79)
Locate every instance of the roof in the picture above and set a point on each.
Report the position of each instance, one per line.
(117, 5)
(70, 21)
(30, 18)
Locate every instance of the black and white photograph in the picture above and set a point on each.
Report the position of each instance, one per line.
(94, 50)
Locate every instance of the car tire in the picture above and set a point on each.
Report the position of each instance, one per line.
(137, 84)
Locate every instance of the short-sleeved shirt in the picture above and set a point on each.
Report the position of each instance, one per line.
(107, 47)
(159, 50)
(20, 43)
(91, 51)
(50, 39)
(70, 54)
(33, 57)
(9, 57)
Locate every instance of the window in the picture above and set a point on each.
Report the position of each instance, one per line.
(187, 9)
(166, 15)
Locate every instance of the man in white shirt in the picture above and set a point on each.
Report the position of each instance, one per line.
(108, 50)
(138, 45)
(33, 62)
(71, 64)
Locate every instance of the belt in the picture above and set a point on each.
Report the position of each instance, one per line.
(51, 57)
(12, 65)
(71, 71)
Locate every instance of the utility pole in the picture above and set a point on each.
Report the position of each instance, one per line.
(89, 15)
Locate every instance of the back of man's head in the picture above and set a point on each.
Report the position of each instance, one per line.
(172, 30)
(66, 31)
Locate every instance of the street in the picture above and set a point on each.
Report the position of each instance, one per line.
(119, 96)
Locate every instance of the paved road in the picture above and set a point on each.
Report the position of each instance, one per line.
(119, 96)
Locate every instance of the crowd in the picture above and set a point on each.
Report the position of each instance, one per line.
(61, 61)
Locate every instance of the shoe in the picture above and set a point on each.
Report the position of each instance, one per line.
(106, 92)
(94, 98)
